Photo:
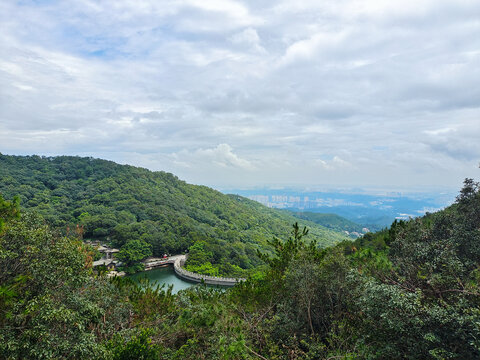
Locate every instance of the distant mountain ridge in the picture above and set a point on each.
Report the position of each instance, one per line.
(115, 203)
(374, 209)
(332, 221)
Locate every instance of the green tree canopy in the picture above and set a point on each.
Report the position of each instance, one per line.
(50, 305)
(134, 251)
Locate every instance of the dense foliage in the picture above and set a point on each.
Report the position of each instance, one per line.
(408, 292)
(101, 200)
(50, 305)
(330, 221)
(133, 252)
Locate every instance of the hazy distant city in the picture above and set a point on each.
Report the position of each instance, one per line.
(375, 209)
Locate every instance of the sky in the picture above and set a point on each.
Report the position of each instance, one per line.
(248, 93)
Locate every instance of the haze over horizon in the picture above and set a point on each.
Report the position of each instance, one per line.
(238, 94)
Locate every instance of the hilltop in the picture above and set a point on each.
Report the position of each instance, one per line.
(101, 200)
(332, 221)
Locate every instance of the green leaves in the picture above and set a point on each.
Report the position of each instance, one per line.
(117, 204)
(50, 305)
(134, 251)
(285, 251)
(8, 210)
(138, 347)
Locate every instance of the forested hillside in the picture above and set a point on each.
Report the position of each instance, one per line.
(330, 221)
(100, 199)
(409, 292)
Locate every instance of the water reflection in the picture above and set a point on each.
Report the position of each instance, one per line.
(166, 275)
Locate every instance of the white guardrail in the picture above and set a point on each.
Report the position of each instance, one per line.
(211, 280)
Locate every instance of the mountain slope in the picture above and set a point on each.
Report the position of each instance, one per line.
(331, 221)
(103, 200)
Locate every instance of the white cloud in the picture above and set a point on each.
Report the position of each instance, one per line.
(294, 92)
(314, 46)
(249, 38)
(231, 8)
(220, 156)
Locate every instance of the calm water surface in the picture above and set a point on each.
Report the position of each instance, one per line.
(166, 275)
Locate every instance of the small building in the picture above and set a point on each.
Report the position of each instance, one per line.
(106, 251)
(108, 260)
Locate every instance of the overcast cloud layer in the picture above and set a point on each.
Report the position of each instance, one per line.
(230, 93)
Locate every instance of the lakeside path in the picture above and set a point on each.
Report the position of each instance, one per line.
(179, 260)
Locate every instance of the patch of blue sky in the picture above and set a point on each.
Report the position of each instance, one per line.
(102, 53)
(36, 2)
(92, 46)
(115, 47)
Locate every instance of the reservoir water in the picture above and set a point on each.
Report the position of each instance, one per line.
(166, 275)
